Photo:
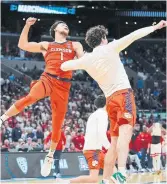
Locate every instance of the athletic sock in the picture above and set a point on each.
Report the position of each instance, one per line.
(4, 117)
(122, 170)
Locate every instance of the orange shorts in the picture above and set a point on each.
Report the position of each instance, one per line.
(121, 110)
(95, 159)
(58, 91)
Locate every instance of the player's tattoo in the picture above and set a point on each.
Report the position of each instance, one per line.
(42, 48)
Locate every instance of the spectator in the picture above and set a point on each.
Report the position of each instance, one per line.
(134, 162)
(144, 139)
(24, 134)
(140, 83)
(21, 146)
(72, 148)
(134, 144)
(39, 134)
(6, 145)
(68, 140)
(29, 144)
(30, 133)
(11, 77)
(24, 68)
(16, 133)
(78, 141)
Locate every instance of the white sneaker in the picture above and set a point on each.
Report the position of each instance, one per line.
(58, 175)
(143, 170)
(47, 165)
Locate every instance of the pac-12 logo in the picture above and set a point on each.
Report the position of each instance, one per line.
(83, 166)
(22, 163)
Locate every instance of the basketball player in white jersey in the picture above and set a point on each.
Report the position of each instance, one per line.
(105, 67)
(95, 139)
(155, 146)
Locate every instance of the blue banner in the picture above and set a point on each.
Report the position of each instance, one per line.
(42, 9)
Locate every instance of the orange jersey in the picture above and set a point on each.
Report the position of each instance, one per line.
(57, 54)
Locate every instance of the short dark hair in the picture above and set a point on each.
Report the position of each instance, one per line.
(52, 32)
(95, 34)
(100, 101)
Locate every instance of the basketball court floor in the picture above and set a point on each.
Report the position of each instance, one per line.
(142, 178)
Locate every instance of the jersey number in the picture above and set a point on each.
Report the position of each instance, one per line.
(61, 53)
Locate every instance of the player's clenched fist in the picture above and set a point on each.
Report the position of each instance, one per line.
(31, 21)
(161, 25)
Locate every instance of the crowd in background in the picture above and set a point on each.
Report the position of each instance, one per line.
(28, 130)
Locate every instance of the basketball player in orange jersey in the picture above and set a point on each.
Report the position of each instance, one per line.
(54, 82)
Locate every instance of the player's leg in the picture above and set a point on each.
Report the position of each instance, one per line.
(59, 103)
(31, 98)
(110, 159)
(111, 154)
(137, 160)
(126, 116)
(125, 133)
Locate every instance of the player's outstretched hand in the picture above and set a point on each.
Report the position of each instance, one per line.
(31, 21)
(160, 25)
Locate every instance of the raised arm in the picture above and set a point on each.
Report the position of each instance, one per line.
(124, 42)
(31, 46)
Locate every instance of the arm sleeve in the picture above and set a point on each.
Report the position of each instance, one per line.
(102, 129)
(77, 64)
(124, 42)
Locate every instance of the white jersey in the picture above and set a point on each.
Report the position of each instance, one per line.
(156, 129)
(104, 64)
(96, 128)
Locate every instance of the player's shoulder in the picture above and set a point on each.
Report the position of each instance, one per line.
(112, 43)
(101, 112)
(76, 44)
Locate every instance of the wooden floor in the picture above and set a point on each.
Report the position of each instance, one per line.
(133, 178)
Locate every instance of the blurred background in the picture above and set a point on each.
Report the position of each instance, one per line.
(144, 60)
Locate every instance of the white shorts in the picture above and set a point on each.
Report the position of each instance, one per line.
(155, 149)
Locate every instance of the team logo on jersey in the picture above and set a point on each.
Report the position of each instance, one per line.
(68, 45)
(127, 115)
(94, 163)
(22, 163)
